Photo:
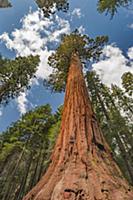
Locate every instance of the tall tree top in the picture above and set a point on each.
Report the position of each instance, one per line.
(49, 6)
(127, 82)
(5, 4)
(86, 48)
(111, 6)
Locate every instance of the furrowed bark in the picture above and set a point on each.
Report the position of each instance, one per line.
(82, 167)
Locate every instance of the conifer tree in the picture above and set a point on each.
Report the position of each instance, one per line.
(25, 150)
(127, 82)
(82, 166)
(110, 104)
(5, 4)
(49, 6)
(111, 6)
(15, 76)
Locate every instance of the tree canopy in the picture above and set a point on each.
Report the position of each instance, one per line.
(88, 49)
(111, 6)
(15, 76)
(5, 4)
(127, 82)
(49, 6)
(107, 6)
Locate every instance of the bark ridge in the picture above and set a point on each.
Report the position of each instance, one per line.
(82, 167)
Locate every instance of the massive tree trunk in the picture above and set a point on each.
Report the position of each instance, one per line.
(82, 167)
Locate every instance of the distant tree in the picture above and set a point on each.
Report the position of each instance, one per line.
(5, 4)
(48, 6)
(113, 109)
(25, 151)
(111, 6)
(124, 101)
(127, 82)
(15, 76)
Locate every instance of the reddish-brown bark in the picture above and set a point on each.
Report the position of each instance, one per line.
(82, 167)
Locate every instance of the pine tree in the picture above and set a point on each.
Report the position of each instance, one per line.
(127, 82)
(112, 6)
(108, 104)
(25, 150)
(4, 4)
(48, 6)
(15, 76)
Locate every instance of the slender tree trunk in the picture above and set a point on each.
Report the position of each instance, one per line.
(101, 102)
(10, 185)
(24, 180)
(5, 163)
(120, 144)
(16, 192)
(41, 167)
(81, 167)
(34, 175)
(127, 140)
(125, 157)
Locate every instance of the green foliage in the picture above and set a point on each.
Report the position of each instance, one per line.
(4, 4)
(15, 76)
(127, 82)
(113, 108)
(48, 5)
(26, 146)
(111, 6)
(124, 101)
(86, 47)
(25, 151)
(32, 126)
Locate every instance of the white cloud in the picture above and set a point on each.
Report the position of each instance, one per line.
(44, 69)
(81, 29)
(35, 33)
(76, 12)
(114, 64)
(130, 53)
(22, 102)
(130, 26)
(34, 37)
(64, 28)
(1, 113)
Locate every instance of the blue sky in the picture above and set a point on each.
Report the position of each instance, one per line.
(81, 15)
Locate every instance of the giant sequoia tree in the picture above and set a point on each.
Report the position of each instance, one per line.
(82, 167)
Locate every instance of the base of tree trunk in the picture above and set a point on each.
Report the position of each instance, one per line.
(83, 179)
